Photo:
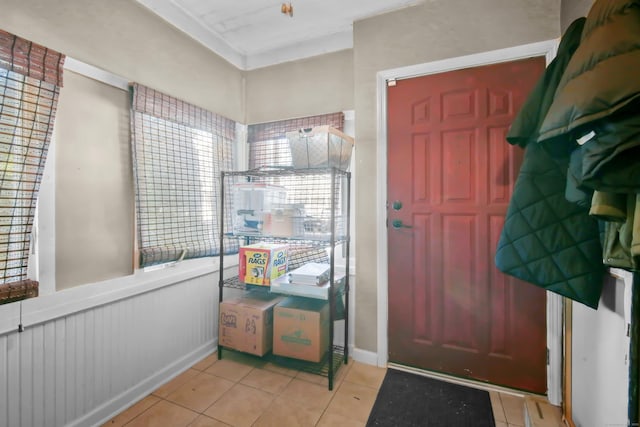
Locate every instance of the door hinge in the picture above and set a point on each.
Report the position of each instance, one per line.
(548, 357)
(391, 82)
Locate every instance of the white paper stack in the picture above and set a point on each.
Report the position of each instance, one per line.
(282, 285)
(311, 273)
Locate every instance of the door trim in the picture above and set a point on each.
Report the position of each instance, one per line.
(547, 49)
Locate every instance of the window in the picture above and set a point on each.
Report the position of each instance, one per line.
(269, 147)
(268, 142)
(179, 151)
(30, 80)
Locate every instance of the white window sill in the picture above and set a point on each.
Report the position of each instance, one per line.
(48, 307)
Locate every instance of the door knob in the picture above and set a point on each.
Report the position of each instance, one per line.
(397, 223)
(397, 205)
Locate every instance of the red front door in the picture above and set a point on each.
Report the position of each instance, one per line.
(451, 173)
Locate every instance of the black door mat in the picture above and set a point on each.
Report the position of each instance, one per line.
(407, 399)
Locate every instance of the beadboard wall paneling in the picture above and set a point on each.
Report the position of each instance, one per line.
(80, 368)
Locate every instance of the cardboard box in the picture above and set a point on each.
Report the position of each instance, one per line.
(301, 328)
(246, 324)
(260, 263)
(285, 221)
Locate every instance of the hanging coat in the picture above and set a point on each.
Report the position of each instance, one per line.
(601, 77)
(596, 104)
(547, 240)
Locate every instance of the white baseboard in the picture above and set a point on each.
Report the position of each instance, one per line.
(364, 356)
(109, 409)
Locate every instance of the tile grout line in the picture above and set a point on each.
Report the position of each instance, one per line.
(185, 407)
(504, 413)
(339, 384)
(274, 395)
(509, 423)
(151, 406)
(324, 411)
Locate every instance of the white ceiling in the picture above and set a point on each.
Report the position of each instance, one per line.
(255, 33)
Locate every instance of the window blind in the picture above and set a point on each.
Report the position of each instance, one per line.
(178, 152)
(269, 147)
(30, 80)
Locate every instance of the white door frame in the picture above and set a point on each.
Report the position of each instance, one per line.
(554, 302)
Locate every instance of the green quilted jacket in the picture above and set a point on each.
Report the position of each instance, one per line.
(547, 240)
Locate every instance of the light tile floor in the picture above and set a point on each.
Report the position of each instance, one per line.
(242, 391)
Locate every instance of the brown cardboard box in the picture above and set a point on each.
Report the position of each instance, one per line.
(301, 328)
(246, 324)
(285, 221)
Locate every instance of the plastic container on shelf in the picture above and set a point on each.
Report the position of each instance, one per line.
(251, 201)
(284, 221)
(320, 147)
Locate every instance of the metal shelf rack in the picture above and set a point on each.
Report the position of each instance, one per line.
(325, 195)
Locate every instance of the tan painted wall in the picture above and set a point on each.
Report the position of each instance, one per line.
(126, 39)
(123, 38)
(94, 185)
(95, 204)
(573, 9)
(318, 85)
(435, 30)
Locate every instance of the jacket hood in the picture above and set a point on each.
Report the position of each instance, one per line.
(602, 75)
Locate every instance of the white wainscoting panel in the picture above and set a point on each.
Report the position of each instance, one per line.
(80, 368)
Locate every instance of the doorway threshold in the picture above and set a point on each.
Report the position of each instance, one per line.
(464, 381)
(522, 408)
